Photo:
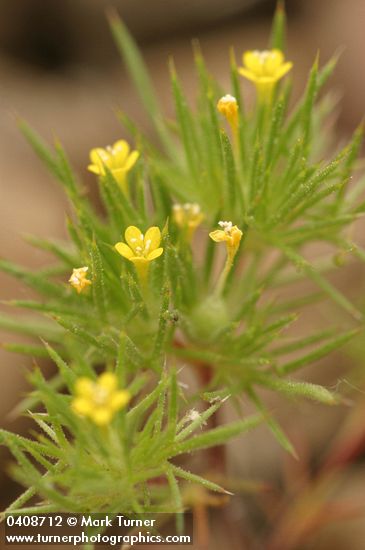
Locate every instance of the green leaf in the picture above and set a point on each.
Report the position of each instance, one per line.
(67, 374)
(233, 197)
(98, 284)
(193, 478)
(44, 153)
(71, 309)
(354, 149)
(294, 388)
(173, 406)
(323, 283)
(67, 177)
(20, 501)
(142, 82)
(175, 492)
(273, 425)
(274, 131)
(322, 351)
(328, 69)
(217, 436)
(307, 109)
(198, 422)
(300, 343)
(59, 250)
(85, 336)
(186, 125)
(161, 335)
(31, 328)
(277, 39)
(24, 349)
(34, 280)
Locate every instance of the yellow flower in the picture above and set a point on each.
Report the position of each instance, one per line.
(99, 400)
(117, 158)
(140, 249)
(227, 106)
(264, 68)
(231, 235)
(188, 217)
(78, 279)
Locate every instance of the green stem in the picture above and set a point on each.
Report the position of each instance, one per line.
(223, 276)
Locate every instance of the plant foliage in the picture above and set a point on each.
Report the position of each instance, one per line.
(280, 184)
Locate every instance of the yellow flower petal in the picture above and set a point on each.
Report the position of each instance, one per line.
(248, 74)
(133, 236)
(257, 79)
(99, 156)
(264, 68)
(119, 400)
(153, 234)
(131, 160)
(124, 250)
(273, 61)
(101, 415)
(96, 169)
(285, 68)
(218, 236)
(120, 152)
(118, 159)
(154, 254)
(236, 234)
(108, 381)
(99, 400)
(251, 61)
(82, 406)
(84, 387)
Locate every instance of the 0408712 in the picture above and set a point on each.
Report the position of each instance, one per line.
(32, 521)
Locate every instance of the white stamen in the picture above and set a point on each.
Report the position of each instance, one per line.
(228, 99)
(226, 226)
(262, 55)
(100, 395)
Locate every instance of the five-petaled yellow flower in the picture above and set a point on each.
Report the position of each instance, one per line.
(99, 400)
(140, 249)
(187, 217)
(228, 107)
(264, 68)
(78, 279)
(231, 235)
(117, 158)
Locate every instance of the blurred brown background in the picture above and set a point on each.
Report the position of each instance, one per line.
(59, 70)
